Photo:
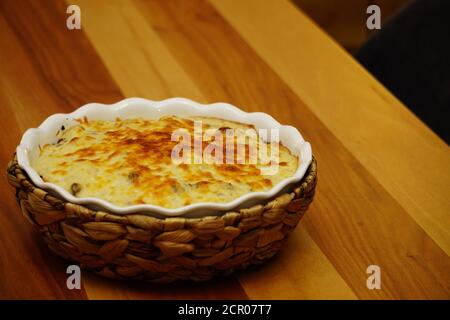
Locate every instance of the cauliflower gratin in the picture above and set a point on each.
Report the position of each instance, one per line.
(128, 162)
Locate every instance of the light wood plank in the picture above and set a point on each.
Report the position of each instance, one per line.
(136, 58)
(299, 271)
(405, 157)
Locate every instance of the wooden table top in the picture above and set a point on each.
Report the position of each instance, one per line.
(384, 181)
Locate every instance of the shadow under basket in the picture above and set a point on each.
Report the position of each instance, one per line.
(141, 247)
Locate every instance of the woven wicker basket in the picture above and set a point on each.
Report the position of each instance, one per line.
(145, 248)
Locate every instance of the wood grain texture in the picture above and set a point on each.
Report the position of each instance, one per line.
(135, 56)
(262, 56)
(368, 216)
(388, 140)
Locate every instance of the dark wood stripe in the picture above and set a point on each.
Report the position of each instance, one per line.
(65, 60)
(220, 288)
(29, 270)
(352, 236)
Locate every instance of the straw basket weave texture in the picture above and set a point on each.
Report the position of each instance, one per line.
(141, 247)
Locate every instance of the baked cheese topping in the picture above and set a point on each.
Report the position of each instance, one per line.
(127, 162)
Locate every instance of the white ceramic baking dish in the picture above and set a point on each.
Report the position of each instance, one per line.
(289, 136)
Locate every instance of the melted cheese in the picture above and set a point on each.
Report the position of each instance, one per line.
(129, 162)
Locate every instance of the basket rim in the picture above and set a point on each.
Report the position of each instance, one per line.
(306, 184)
